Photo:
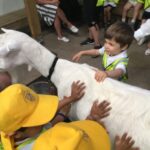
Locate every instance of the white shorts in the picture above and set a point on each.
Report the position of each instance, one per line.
(147, 9)
(107, 3)
(133, 2)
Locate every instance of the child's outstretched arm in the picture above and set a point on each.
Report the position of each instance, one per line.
(125, 143)
(91, 52)
(77, 92)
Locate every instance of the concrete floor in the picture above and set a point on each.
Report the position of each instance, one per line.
(139, 64)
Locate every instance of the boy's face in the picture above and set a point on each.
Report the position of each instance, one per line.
(112, 47)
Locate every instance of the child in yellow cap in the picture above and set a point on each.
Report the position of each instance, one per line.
(81, 135)
(23, 108)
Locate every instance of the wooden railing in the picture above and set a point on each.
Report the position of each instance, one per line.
(27, 16)
(14, 20)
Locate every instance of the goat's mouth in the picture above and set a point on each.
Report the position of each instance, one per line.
(3, 67)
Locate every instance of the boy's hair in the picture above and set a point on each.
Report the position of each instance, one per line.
(121, 32)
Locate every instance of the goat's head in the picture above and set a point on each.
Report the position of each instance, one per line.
(13, 47)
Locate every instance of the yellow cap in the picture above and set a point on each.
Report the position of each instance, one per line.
(78, 135)
(22, 107)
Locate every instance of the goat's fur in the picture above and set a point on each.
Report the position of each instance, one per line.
(130, 105)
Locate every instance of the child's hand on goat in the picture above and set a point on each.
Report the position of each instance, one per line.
(124, 143)
(99, 111)
(77, 91)
(100, 75)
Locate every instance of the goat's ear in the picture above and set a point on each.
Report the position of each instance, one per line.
(5, 30)
(4, 50)
(8, 48)
(29, 68)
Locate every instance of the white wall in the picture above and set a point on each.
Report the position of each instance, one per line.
(7, 6)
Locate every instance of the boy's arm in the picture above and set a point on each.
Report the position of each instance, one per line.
(117, 73)
(101, 75)
(92, 52)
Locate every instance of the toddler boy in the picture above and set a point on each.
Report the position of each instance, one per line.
(118, 38)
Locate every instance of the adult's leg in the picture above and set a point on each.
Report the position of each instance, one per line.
(57, 25)
(94, 34)
(92, 19)
(105, 14)
(109, 9)
(63, 18)
(126, 8)
(136, 12)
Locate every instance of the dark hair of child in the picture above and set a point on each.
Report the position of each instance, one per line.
(120, 32)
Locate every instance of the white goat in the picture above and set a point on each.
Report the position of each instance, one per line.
(130, 105)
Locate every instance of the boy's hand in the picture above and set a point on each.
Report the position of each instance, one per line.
(124, 143)
(99, 111)
(77, 91)
(100, 75)
(77, 57)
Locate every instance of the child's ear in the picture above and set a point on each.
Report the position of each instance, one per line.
(125, 47)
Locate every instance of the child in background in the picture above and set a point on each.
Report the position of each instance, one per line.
(81, 135)
(137, 8)
(118, 38)
(108, 6)
(52, 14)
(128, 5)
(91, 13)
